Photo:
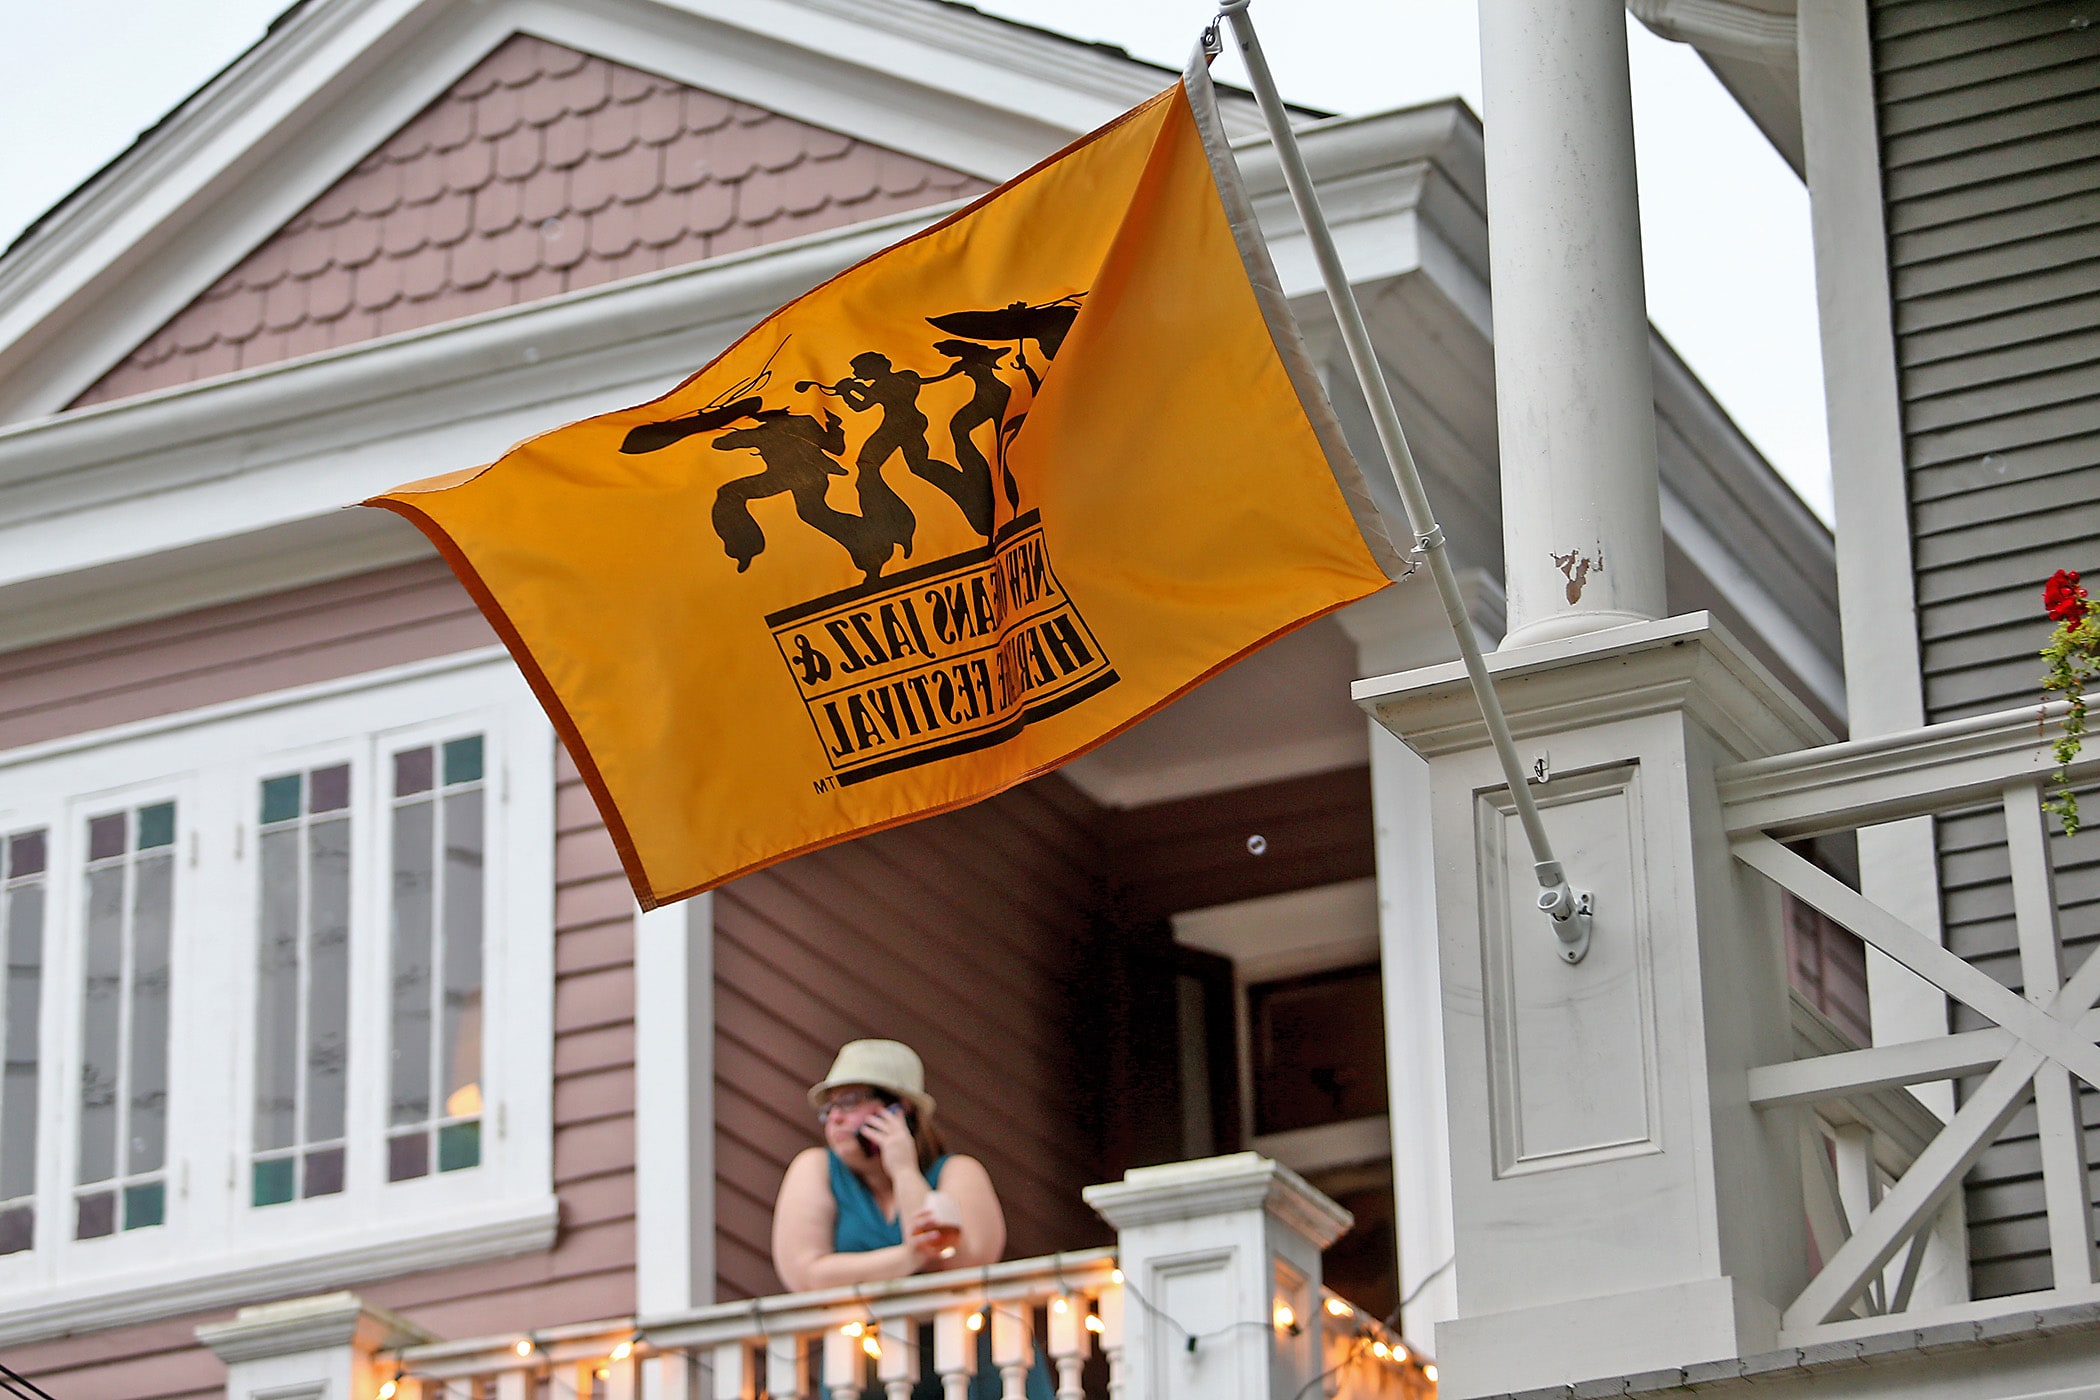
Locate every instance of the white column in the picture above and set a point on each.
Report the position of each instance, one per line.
(674, 1118)
(1216, 1249)
(1575, 402)
(320, 1347)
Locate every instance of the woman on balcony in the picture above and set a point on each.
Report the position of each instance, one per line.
(882, 1200)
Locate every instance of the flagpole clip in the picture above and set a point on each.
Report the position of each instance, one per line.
(1213, 44)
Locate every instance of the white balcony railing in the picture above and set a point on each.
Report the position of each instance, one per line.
(1878, 1167)
(882, 1340)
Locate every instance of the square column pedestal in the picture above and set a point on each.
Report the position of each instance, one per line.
(1618, 1206)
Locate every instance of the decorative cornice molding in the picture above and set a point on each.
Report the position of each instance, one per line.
(308, 1324)
(1721, 27)
(1244, 1181)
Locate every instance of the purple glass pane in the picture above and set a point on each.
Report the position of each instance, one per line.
(408, 1157)
(412, 772)
(25, 855)
(324, 1172)
(98, 1216)
(106, 837)
(328, 789)
(17, 1229)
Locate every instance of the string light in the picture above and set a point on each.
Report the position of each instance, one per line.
(1399, 1353)
(1094, 1324)
(853, 1329)
(523, 1347)
(623, 1351)
(1115, 1275)
(1060, 1305)
(386, 1392)
(975, 1322)
(1337, 1308)
(872, 1347)
(1284, 1318)
(1429, 1372)
(1381, 1350)
(602, 1372)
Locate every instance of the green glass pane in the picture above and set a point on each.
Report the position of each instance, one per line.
(144, 1205)
(459, 1145)
(156, 826)
(280, 798)
(273, 1182)
(463, 760)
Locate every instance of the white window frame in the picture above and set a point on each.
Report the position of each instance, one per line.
(216, 1248)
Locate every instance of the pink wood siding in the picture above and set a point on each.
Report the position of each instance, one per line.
(966, 936)
(541, 171)
(344, 628)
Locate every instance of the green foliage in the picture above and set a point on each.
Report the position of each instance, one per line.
(2072, 653)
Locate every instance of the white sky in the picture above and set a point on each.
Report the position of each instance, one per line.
(1725, 222)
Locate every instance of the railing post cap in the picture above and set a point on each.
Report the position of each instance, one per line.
(308, 1324)
(1218, 1186)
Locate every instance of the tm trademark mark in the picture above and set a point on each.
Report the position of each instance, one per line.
(824, 784)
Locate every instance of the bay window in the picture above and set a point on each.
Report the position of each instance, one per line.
(276, 995)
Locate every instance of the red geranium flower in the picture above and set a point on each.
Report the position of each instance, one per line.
(2064, 600)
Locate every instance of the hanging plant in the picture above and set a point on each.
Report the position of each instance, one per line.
(2073, 654)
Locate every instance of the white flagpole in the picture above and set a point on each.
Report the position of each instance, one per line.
(1569, 911)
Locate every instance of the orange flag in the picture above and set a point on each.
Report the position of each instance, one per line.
(960, 514)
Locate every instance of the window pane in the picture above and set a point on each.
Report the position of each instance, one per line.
(102, 1026)
(21, 998)
(276, 987)
(408, 1157)
(106, 837)
(25, 855)
(17, 1229)
(97, 1216)
(272, 1183)
(459, 1146)
(328, 789)
(412, 772)
(409, 1092)
(156, 826)
(461, 1044)
(153, 910)
(463, 760)
(1319, 1049)
(144, 1205)
(280, 799)
(328, 979)
(324, 1172)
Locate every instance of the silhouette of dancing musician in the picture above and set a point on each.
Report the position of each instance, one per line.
(800, 459)
(876, 383)
(988, 400)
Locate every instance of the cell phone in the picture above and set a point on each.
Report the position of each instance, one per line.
(867, 1144)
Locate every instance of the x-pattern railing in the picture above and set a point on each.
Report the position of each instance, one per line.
(2039, 1040)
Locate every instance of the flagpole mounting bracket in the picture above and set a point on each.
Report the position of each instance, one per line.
(1569, 909)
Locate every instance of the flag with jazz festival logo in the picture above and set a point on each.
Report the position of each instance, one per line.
(960, 514)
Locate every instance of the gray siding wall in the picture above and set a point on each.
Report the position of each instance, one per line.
(1990, 132)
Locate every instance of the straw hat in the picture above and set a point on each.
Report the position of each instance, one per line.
(880, 1064)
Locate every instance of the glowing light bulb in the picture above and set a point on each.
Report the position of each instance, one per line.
(1093, 1324)
(1381, 1350)
(975, 1322)
(1337, 1308)
(1115, 1275)
(871, 1347)
(1284, 1318)
(623, 1351)
(1399, 1353)
(1429, 1373)
(853, 1329)
(602, 1372)
(386, 1392)
(1060, 1305)
(523, 1347)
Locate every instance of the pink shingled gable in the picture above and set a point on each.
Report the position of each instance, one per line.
(541, 171)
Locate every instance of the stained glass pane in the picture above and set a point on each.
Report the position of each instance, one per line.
(97, 1216)
(328, 979)
(280, 798)
(328, 789)
(408, 1156)
(17, 1229)
(277, 989)
(156, 826)
(412, 772)
(106, 837)
(324, 1172)
(145, 1205)
(25, 855)
(22, 926)
(272, 1184)
(410, 1013)
(463, 760)
(153, 910)
(459, 1146)
(102, 1015)
(460, 1043)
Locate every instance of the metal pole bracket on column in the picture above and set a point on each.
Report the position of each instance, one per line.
(1568, 910)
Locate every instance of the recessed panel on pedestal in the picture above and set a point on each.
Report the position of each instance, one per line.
(1572, 1074)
